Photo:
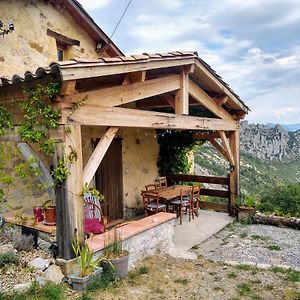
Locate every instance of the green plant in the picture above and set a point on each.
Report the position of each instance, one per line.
(8, 258)
(273, 247)
(173, 152)
(108, 279)
(244, 289)
(52, 291)
(182, 281)
(5, 120)
(85, 258)
(292, 275)
(113, 245)
(92, 191)
(232, 275)
(243, 234)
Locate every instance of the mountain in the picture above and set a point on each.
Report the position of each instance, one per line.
(267, 156)
(288, 128)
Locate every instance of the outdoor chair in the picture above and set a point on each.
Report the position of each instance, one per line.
(162, 182)
(152, 204)
(183, 201)
(151, 186)
(94, 220)
(195, 201)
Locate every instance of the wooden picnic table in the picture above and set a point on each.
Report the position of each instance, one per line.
(171, 192)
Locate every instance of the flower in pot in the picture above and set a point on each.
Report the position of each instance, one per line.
(115, 253)
(49, 212)
(87, 269)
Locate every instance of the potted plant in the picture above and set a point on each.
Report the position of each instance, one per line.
(246, 206)
(49, 212)
(88, 269)
(38, 213)
(115, 253)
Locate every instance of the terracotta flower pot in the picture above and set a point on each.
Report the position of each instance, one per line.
(38, 213)
(50, 215)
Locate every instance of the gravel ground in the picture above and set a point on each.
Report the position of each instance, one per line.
(259, 244)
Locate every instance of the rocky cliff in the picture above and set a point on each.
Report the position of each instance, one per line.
(265, 143)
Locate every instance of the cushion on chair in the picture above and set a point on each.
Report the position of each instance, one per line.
(155, 206)
(92, 225)
(177, 202)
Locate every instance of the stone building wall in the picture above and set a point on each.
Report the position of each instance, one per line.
(29, 46)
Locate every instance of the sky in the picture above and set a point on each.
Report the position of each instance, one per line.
(253, 44)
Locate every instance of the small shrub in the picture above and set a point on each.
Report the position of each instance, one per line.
(8, 258)
(182, 281)
(259, 237)
(276, 269)
(273, 247)
(243, 267)
(107, 279)
(22, 242)
(232, 275)
(85, 296)
(143, 270)
(52, 291)
(292, 275)
(244, 289)
(243, 234)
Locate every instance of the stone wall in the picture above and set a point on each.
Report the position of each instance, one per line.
(29, 46)
(139, 151)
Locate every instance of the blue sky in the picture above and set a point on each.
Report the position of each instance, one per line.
(253, 44)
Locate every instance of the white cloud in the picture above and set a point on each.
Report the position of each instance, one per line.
(93, 4)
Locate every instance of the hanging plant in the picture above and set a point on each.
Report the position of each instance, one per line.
(174, 150)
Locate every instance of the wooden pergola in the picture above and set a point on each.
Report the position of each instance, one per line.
(159, 91)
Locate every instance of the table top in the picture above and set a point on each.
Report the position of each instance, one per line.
(170, 192)
(10, 218)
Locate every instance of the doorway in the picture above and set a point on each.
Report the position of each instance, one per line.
(109, 181)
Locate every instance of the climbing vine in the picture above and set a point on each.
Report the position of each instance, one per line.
(175, 147)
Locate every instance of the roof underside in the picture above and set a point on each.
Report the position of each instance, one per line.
(203, 74)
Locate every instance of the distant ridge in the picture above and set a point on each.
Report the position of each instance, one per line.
(288, 128)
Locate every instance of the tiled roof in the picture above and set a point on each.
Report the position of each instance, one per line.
(55, 67)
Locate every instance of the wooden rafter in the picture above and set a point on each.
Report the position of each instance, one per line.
(226, 146)
(98, 154)
(124, 117)
(208, 102)
(219, 147)
(121, 94)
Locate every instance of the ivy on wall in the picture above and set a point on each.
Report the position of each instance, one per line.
(174, 150)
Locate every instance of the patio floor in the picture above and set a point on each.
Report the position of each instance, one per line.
(198, 230)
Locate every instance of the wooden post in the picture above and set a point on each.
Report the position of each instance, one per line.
(234, 142)
(182, 95)
(69, 203)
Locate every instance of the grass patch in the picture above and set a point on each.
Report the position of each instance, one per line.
(137, 272)
(107, 280)
(256, 281)
(85, 296)
(243, 267)
(232, 275)
(276, 269)
(243, 234)
(244, 289)
(273, 247)
(291, 294)
(292, 276)
(260, 237)
(269, 287)
(182, 281)
(8, 258)
(49, 291)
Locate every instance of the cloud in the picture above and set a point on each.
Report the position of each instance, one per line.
(93, 4)
(254, 45)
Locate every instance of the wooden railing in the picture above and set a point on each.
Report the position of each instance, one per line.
(208, 192)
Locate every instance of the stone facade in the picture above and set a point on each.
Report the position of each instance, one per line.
(139, 153)
(29, 46)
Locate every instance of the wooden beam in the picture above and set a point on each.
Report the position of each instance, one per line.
(137, 76)
(226, 145)
(182, 95)
(206, 136)
(69, 202)
(219, 148)
(67, 88)
(96, 70)
(239, 115)
(234, 141)
(121, 94)
(62, 38)
(124, 117)
(170, 100)
(221, 100)
(98, 154)
(208, 102)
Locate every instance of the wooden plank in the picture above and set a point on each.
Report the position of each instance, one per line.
(220, 207)
(137, 76)
(214, 193)
(69, 203)
(227, 147)
(182, 95)
(197, 178)
(62, 38)
(72, 72)
(206, 136)
(98, 154)
(221, 100)
(121, 94)
(95, 115)
(208, 102)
